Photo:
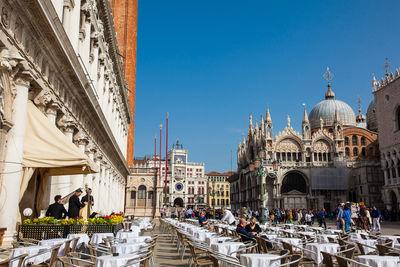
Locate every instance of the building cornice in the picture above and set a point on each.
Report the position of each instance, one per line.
(57, 47)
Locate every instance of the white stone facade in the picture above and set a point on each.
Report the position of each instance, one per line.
(186, 181)
(63, 56)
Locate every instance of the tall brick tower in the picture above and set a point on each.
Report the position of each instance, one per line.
(125, 19)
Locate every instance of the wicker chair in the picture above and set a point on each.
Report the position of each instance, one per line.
(50, 262)
(67, 247)
(65, 261)
(294, 261)
(74, 244)
(201, 260)
(5, 263)
(327, 259)
(362, 250)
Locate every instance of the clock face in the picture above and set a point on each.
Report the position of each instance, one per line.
(180, 159)
(179, 186)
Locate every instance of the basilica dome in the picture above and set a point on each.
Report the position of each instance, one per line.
(326, 110)
(372, 124)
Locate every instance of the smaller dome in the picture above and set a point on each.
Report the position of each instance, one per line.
(372, 124)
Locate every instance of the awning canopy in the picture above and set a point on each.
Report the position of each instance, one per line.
(45, 146)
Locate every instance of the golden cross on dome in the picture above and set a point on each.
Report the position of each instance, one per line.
(328, 75)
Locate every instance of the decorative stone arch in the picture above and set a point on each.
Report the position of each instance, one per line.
(294, 138)
(298, 174)
(394, 200)
(396, 118)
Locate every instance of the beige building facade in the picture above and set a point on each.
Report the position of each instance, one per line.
(64, 110)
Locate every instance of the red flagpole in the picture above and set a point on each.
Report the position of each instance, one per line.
(159, 182)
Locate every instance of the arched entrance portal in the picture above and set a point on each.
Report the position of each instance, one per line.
(393, 201)
(294, 190)
(178, 202)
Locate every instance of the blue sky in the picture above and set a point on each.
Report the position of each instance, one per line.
(211, 63)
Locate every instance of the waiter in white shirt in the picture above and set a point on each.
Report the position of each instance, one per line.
(228, 217)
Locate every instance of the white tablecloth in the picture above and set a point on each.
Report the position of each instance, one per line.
(226, 247)
(137, 239)
(293, 241)
(53, 242)
(331, 248)
(83, 238)
(111, 261)
(97, 238)
(333, 231)
(380, 261)
(32, 250)
(324, 238)
(135, 228)
(202, 235)
(126, 248)
(259, 260)
(121, 234)
(211, 239)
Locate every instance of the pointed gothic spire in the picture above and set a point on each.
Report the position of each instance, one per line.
(386, 66)
(305, 116)
(268, 116)
(337, 118)
(250, 121)
(288, 121)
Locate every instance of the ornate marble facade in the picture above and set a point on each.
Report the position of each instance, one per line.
(310, 169)
(63, 56)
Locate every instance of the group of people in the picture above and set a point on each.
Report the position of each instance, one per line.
(359, 216)
(58, 211)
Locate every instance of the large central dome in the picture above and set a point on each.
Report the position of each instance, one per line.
(326, 110)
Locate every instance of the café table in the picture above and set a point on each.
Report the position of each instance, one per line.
(31, 250)
(331, 248)
(137, 239)
(307, 233)
(213, 239)
(227, 247)
(54, 242)
(114, 261)
(292, 241)
(121, 234)
(202, 235)
(127, 248)
(379, 261)
(97, 238)
(260, 260)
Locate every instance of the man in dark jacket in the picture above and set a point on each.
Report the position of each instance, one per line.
(240, 229)
(85, 198)
(56, 209)
(75, 205)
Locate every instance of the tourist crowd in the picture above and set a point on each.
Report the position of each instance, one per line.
(347, 215)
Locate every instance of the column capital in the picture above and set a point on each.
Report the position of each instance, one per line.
(67, 123)
(81, 138)
(43, 99)
(23, 78)
(91, 148)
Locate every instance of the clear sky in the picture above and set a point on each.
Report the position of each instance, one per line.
(211, 63)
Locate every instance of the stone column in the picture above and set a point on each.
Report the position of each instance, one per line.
(101, 199)
(80, 140)
(96, 181)
(107, 188)
(11, 182)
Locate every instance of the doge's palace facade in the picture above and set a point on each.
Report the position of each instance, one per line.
(60, 57)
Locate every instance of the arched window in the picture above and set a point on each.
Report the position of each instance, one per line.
(354, 140)
(355, 151)
(142, 192)
(346, 141)
(363, 153)
(363, 141)
(398, 118)
(347, 150)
